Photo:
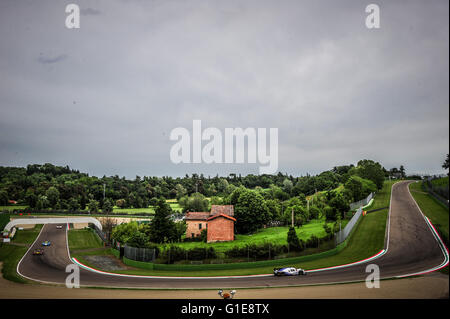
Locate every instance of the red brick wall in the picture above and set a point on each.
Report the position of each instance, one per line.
(220, 229)
(192, 227)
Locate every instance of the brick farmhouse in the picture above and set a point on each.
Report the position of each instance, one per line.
(219, 223)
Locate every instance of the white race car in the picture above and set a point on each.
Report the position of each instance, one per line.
(288, 271)
(58, 226)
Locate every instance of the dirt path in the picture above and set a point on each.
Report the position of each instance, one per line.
(433, 286)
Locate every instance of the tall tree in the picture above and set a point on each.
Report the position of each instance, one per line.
(162, 228)
(251, 212)
(402, 171)
(446, 163)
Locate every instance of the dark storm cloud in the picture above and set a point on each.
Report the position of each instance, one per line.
(337, 91)
(51, 60)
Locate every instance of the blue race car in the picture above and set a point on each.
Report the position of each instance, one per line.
(46, 243)
(288, 271)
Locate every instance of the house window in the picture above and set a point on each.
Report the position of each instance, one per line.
(192, 235)
(199, 226)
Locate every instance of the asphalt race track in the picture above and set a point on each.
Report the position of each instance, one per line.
(411, 248)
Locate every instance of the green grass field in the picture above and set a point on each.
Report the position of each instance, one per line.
(26, 236)
(433, 209)
(441, 182)
(11, 254)
(83, 239)
(172, 202)
(12, 207)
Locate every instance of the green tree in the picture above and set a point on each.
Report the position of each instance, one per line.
(195, 203)
(52, 195)
(359, 187)
(162, 229)
(293, 241)
(120, 203)
(370, 170)
(123, 232)
(330, 213)
(74, 204)
(180, 191)
(251, 212)
(107, 206)
(340, 205)
(402, 171)
(138, 239)
(446, 163)
(3, 198)
(42, 202)
(93, 206)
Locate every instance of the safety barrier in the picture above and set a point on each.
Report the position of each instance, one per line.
(342, 235)
(362, 202)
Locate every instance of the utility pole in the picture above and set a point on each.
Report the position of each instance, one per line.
(292, 217)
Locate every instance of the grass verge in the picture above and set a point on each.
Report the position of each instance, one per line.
(83, 239)
(434, 210)
(11, 254)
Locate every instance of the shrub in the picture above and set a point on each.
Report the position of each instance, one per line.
(315, 212)
(312, 242)
(292, 239)
(204, 235)
(330, 213)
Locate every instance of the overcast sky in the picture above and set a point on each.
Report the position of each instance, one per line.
(104, 98)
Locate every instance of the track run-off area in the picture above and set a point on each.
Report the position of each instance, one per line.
(412, 247)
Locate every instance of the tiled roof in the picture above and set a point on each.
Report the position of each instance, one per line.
(222, 215)
(197, 216)
(222, 209)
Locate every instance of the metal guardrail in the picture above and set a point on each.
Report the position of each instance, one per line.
(342, 235)
(362, 202)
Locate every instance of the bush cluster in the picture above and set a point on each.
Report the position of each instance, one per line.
(263, 251)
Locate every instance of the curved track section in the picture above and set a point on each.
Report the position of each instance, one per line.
(411, 248)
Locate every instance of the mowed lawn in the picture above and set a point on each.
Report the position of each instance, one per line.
(26, 236)
(83, 239)
(13, 207)
(172, 202)
(435, 211)
(10, 254)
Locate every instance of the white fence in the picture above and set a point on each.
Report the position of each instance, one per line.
(342, 235)
(362, 202)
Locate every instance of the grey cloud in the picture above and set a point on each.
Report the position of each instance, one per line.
(89, 11)
(51, 60)
(337, 91)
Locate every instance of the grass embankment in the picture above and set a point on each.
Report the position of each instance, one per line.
(434, 210)
(85, 242)
(80, 239)
(366, 241)
(11, 254)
